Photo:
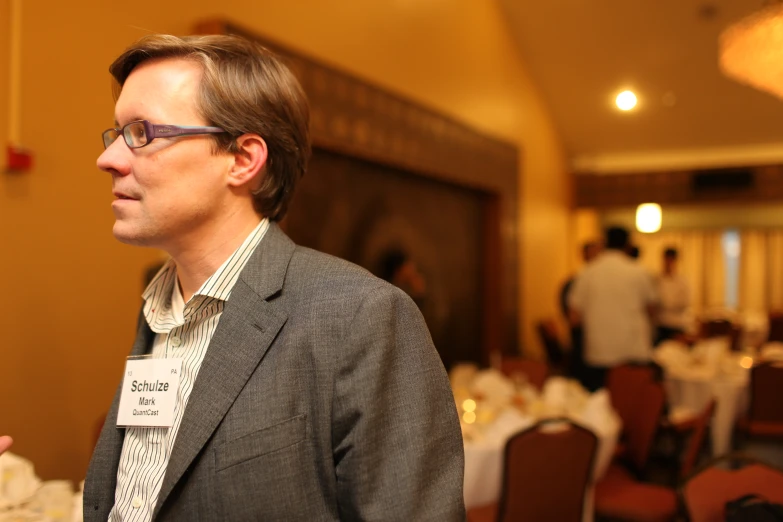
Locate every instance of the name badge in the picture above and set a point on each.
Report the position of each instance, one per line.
(149, 392)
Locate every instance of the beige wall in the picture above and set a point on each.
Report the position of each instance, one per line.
(71, 292)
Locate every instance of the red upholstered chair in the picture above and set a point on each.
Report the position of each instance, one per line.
(721, 328)
(624, 383)
(535, 371)
(546, 471)
(765, 414)
(636, 403)
(705, 494)
(697, 434)
(619, 495)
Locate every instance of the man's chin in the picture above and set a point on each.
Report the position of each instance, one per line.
(129, 237)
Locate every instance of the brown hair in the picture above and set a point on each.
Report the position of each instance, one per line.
(245, 89)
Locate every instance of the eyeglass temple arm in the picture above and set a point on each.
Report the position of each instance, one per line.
(162, 131)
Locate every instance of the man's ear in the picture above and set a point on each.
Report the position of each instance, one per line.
(249, 160)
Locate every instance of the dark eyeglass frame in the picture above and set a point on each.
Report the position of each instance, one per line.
(152, 131)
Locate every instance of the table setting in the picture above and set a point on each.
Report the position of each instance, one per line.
(493, 407)
(707, 371)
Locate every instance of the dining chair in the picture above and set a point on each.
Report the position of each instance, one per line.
(775, 326)
(546, 471)
(536, 372)
(705, 494)
(721, 328)
(625, 384)
(688, 437)
(619, 495)
(765, 414)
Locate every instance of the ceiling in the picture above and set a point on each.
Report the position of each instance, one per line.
(581, 53)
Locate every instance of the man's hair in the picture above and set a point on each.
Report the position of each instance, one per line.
(670, 253)
(244, 89)
(390, 262)
(616, 238)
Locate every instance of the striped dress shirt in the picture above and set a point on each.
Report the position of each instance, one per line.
(183, 331)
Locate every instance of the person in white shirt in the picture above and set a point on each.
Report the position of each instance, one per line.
(675, 301)
(614, 299)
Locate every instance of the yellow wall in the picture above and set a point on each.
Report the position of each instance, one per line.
(70, 291)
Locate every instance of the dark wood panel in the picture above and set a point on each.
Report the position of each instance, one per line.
(674, 187)
(371, 211)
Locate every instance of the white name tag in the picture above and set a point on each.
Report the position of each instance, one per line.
(149, 392)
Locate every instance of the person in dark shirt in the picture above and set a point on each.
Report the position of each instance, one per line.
(576, 364)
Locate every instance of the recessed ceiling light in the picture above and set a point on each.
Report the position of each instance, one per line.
(626, 100)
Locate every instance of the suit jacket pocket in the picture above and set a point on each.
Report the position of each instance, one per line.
(261, 442)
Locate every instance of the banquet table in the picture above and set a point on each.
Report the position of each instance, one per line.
(695, 377)
(484, 443)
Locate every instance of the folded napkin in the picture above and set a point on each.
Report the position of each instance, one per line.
(493, 387)
(672, 354)
(555, 394)
(597, 413)
(18, 482)
(711, 351)
(462, 374)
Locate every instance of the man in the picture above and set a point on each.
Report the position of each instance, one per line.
(675, 302)
(308, 389)
(590, 250)
(613, 299)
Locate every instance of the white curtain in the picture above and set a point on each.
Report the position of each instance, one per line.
(761, 270)
(775, 270)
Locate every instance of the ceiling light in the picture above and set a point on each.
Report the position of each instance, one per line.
(751, 50)
(648, 218)
(626, 100)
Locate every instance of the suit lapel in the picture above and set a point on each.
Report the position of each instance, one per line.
(106, 457)
(249, 324)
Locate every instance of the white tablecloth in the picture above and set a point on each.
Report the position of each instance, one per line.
(691, 386)
(484, 454)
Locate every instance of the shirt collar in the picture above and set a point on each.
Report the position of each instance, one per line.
(157, 295)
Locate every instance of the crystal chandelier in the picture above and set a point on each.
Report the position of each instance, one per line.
(751, 50)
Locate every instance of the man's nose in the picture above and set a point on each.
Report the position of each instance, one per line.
(116, 158)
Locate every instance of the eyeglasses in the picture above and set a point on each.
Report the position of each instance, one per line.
(140, 133)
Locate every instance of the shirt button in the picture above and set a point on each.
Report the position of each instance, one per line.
(136, 502)
(176, 342)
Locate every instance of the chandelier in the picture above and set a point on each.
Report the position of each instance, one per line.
(751, 50)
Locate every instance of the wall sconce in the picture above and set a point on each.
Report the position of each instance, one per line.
(648, 218)
(751, 50)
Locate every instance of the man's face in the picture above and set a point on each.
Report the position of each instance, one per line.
(167, 193)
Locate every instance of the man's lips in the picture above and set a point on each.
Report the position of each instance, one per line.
(122, 195)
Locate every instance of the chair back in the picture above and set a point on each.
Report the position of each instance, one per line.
(546, 471)
(696, 440)
(643, 425)
(705, 494)
(721, 328)
(547, 332)
(625, 384)
(766, 389)
(536, 372)
(775, 327)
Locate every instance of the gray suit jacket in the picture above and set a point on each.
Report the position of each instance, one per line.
(321, 397)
